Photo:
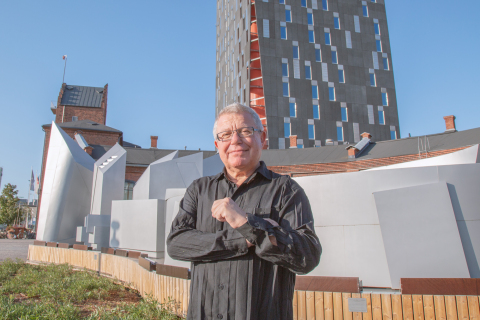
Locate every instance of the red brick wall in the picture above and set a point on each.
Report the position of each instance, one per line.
(351, 166)
(134, 173)
(83, 113)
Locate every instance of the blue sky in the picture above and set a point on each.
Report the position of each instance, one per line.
(158, 58)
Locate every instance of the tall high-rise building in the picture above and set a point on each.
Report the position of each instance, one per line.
(316, 71)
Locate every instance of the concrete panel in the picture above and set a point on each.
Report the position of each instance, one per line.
(138, 225)
(333, 260)
(67, 189)
(108, 180)
(212, 165)
(470, 235)
(420, 233)
(174, 196)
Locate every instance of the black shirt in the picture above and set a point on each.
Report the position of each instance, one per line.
(230, 280)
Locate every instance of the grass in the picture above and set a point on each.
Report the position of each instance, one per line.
(59, 292)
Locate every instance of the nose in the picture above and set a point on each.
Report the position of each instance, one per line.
(236, 139)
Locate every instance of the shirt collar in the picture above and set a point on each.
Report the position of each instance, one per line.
(262, 169)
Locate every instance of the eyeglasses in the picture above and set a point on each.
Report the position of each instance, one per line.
(242, 132)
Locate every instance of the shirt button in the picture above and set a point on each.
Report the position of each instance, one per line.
(219, 316)
(221, 286)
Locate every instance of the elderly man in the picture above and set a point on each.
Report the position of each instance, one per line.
(246, 230)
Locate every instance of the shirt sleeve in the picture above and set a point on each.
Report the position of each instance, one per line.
(298, 248)
(187, 243)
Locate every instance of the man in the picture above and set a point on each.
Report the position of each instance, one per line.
(246, 230)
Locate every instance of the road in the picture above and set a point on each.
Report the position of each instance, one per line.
(17, 248)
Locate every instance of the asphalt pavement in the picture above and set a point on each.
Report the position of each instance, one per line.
(15, 248)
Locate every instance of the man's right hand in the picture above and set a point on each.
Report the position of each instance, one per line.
(249, 244)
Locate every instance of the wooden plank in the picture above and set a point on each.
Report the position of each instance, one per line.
(417, 302)
(319, 306)
(347, 315)
(439, 286)
(295, 308)
(428, 307)
(367, 315)
(328, 305)
(407, 307)
(397, 307)
(462, 308)
(310, 296)
(357, 315)
(376, 306)
(337, 306)
(330, 284)
(301, 303)
(473, 307)
(386, 307)
(440, 308)
(451, 307)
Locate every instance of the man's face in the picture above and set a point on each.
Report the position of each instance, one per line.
(239, 153)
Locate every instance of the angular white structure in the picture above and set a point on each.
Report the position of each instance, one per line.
(139, 224)
(67, 188)
(413, 222)
(108, 185)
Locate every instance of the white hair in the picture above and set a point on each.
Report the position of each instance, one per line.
(238, 108)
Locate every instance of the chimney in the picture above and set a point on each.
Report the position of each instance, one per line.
(352, 152)
(88, 150)
(293, 141)
(450, 124)
(153, 141)
(366, 135)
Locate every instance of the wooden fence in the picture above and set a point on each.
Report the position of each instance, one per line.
(307, 305)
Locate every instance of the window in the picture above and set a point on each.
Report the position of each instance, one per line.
(281, 1)
(365, 10)
(385, 64)
(377, 28)
(311, 36)
(327, 38)
(295, 52)
(331, 93)
(286, 89)
(341, 76)
(373, 81)
(325, 5)
(299, 146)
(310, 19)
(379, 45)
(344, 114)
(381, 117)
(384, 98)
(284, 69)
(128, 190)
(288, 15)
(316, 111)
(336, 22)
(393, 134)
(334, 57)
(340, 133)
(318, 55)
(374, 1)
(311, 131)
(283, 32)
(304, 3)
(74, 118)
(286, 128)
(308, 72)
(314, 92)
(293, 109)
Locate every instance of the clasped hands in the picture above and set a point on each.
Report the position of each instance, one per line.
(226, 210)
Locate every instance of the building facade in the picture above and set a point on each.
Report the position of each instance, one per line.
(317, 71)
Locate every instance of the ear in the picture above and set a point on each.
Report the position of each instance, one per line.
(263, 138)
(216, 144)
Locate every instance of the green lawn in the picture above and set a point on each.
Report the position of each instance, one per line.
(59, 292)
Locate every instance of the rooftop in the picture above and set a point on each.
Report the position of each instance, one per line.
(376, 150)
(84, 125)
(81, 96)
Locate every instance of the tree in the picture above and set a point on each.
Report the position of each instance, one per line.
(9, 209)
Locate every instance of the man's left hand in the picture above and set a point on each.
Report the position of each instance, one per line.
(226, 210)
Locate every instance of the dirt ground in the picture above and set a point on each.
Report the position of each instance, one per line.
(16, 248)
